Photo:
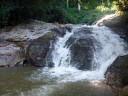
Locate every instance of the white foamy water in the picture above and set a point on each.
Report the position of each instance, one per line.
(108, 47)
(111, 45)
(61, 54)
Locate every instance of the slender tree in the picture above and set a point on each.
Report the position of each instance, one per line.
(67, 3)
(79, 7)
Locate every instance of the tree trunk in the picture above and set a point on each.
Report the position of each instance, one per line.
(67, 3)
(79, 7)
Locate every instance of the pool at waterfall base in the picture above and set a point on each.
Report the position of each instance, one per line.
(67, 77)
(26, 81)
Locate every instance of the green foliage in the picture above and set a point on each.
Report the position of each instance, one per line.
(90, 4)
(4, 12)
(55, 13)
(73, 15)
(122, 5)
(16, 11)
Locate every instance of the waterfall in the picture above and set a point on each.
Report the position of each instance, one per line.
(61, 53)
(110, 47)
(107, 47)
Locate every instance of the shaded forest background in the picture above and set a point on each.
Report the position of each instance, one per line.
(16, 11)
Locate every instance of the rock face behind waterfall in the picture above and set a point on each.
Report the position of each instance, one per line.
(81, 47)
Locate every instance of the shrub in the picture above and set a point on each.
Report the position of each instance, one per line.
(5, 9)
(16, 11)
(73, 15)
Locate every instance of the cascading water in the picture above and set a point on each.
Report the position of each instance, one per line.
(111, 46)
(65, 78)
(61, 54)
(107, 48)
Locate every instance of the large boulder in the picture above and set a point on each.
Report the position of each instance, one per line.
(39, 50)
(31, 29)
(81, 47)
(117, 73)
(33, 36)
(23, 33)
(10, 55)
(81, 54)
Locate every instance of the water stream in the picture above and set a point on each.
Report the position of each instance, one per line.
(107, 48)
(65, 79)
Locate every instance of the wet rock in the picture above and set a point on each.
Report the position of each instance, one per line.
(10, 55)
(67, 27)
(81, 47)
(21, 63)
(39, 51)
(33, 37)
(59, 31)
(81, 54)
(116, 74)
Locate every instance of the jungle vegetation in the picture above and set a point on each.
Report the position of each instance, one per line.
(62, 11)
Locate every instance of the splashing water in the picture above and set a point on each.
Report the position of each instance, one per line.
(61, 54)
(108, 47)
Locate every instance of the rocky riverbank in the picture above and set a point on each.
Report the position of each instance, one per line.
(17, 40)
(33, 42)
